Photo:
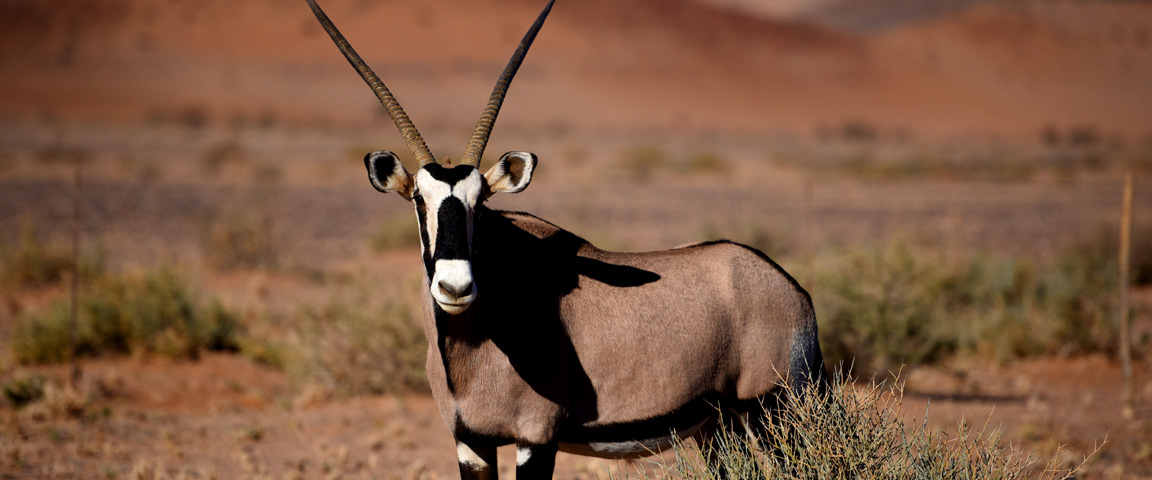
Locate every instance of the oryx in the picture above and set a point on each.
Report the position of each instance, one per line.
(537, 338)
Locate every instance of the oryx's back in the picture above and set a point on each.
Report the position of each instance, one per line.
(717, 317)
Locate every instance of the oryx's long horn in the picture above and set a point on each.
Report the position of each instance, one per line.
(407, 129)
(479, 139)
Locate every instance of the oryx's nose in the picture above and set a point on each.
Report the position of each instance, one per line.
(452, 285)
(455, 290)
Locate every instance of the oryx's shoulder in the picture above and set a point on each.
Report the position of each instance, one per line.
(723, 247)
(537, 226)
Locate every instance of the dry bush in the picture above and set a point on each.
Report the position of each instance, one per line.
(705, 162)
(59, 403)
(221, 154)
(155, 313)
(361, 341)
(242, 240)
(893, 304)
(35, 263)
(642, 163)
(851, 432)
(23, 389)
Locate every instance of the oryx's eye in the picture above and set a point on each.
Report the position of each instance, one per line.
(419, 199)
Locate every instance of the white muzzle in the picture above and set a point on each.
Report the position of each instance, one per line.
(452, 285)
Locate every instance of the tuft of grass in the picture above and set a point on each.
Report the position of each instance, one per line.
(34, 263)
(891, 305)
(851, 432)
(878, 308)
(1104, 246)
(397, 231)
(221, 154)
(360, 342)
(704, 162)
(641, 163)
(241, 241)
(267, 173)
(24, 390)
(58, 402)
(152, 313)
(263, 352)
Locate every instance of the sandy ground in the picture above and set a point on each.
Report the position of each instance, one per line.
(221, 417)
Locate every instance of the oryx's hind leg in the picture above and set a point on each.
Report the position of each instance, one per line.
(535, 461)
(476, 463)
(722, 440)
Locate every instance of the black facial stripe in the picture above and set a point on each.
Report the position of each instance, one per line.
(422, 220)
(449, 175)
(452, 230)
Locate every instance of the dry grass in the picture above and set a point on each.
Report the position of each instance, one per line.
(397, 231)
(152, 313)
(36, 263)
(361, 341)
(244, 240)
(892, 305)
(23, 389)
(857, 431)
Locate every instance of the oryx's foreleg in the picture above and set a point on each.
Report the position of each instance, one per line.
(477, 463)
(535, 461)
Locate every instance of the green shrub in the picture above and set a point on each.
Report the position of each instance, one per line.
(854, 432)
(886, 306)
(34, 263)
(878, 308)
(156, 313)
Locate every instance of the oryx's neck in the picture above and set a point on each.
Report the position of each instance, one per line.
(522, 267)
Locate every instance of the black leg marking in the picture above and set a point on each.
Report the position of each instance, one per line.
(476, 463)
(723, 439)
(535, 461)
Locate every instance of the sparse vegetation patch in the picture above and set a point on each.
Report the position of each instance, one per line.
(858, 431)
(34, 263)
(151, 313)
(361, 341)
(241, 241)
(885, 306)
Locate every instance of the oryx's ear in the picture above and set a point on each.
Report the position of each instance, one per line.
(387, 174)
(512, 173)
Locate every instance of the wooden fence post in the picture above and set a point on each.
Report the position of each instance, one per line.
(74, 376)
(1125, 327)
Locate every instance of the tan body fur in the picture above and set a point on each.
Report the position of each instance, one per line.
(710, 318)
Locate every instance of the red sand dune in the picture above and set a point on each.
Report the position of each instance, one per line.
(1005, 67)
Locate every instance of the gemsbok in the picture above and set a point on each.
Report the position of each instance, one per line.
(537, 338)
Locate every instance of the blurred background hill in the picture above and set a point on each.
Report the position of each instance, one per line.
(923, 66)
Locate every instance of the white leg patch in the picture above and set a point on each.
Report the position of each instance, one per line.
(522, 455)
(470, 458)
